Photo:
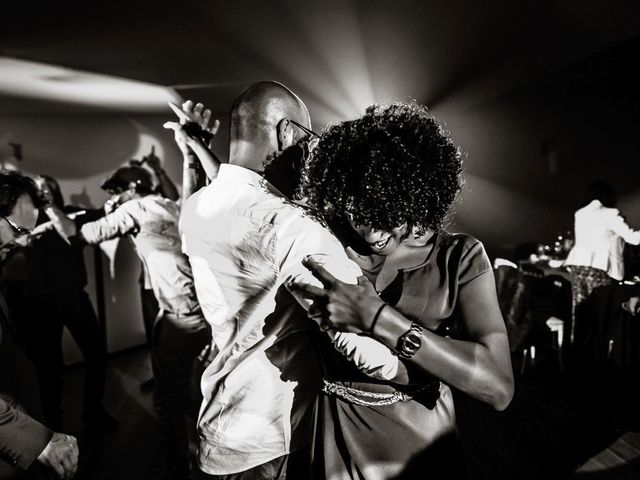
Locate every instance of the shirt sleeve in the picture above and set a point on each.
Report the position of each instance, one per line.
(308, 237)
(620, 227)
(22, 438)
(473, 262)
(302, 237)
(118, 223)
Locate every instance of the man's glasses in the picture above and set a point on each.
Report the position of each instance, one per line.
(306, 130)
(17, 228)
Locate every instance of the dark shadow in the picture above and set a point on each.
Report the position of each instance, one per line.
(132, 452)
(554, 424)
(620, 471)
(442, 459)
(295, 354)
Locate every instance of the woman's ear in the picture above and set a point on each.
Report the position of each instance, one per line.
(284, 134)
(132, 187)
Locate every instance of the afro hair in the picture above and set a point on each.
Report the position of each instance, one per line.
(395, 165)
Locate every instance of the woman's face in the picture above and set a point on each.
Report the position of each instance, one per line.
(380, 242)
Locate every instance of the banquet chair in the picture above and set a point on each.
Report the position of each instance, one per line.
(514, 301)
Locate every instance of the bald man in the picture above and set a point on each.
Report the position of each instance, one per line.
(245, 241)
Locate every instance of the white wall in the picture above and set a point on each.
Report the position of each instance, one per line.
(79, 150)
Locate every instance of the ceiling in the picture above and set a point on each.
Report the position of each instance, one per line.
(542, 95)
(338, 55)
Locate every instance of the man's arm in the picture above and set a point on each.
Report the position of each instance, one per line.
(620, 227)
(306, 238)
(115, 224)
(22, 439)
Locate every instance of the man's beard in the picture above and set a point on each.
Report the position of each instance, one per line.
(283, 169)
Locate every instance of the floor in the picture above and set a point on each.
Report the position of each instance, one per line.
(135, 451)
(553, 429)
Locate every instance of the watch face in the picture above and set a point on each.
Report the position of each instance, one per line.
(411, 341)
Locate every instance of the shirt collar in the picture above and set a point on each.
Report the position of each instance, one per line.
(229, 172)
(235, 172)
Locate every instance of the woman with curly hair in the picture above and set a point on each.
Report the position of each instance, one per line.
(386, 183)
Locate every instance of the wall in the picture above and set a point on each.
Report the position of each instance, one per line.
(531, 152)
(79, 150)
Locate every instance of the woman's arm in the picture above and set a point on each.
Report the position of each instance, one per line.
(479, 366)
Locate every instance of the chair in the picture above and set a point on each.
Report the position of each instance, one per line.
(556, 326)
(503, 262)
(514, 300)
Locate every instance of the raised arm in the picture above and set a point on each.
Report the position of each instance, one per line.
(166, 187)
(193, 134)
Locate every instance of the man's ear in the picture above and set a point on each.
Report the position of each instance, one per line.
(284, 132)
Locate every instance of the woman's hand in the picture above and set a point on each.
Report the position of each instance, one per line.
(339, 305)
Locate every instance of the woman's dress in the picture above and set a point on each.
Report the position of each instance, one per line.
(372, 435)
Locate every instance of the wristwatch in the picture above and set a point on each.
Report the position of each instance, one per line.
(410, 342)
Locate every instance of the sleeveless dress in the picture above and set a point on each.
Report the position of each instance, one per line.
(372, 439)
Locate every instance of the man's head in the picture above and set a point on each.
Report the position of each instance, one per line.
(263, 122)
(19, 203)
(128, 183)
(603, 192)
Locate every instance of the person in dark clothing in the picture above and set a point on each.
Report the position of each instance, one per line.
(53, 296)
(26, 445)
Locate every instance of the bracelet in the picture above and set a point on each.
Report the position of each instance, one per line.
(375, 317)
(410, 342)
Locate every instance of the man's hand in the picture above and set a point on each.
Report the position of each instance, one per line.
(110, 206)
(65, 226)
(192, 114)
(339, 305)
(61, 454)
(152, 160)
(632, 306)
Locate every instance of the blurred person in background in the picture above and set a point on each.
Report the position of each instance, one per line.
(52, 297)
(27, 448)
(180, 332)
(164, 186)
(600, 233)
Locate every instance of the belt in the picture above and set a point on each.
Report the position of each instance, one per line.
(376, 399)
